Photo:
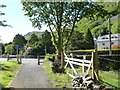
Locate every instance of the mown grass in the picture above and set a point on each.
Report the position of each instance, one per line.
(8, 71)
(110, 78)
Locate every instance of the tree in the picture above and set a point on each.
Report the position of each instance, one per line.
(19, 40)
(2, 22)
(58, 16)
(32, 40)
(89, 40)
(47, 42)
(76, 40)
(10, 49)
(33, 44)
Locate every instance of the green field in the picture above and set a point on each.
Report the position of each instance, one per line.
(8, 72)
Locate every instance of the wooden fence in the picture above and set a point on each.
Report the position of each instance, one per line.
(85, 64)
(19, 58)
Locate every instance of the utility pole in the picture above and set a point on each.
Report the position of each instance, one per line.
(109, 28)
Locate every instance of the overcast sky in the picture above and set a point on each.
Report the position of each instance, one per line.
(16, 18)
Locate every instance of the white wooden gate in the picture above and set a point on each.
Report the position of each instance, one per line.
(85, 64)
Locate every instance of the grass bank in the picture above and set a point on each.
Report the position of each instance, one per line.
(8, 72)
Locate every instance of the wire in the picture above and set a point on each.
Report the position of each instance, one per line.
(109, 59)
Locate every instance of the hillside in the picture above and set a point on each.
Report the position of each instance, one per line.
(99, 26)
(34, 32)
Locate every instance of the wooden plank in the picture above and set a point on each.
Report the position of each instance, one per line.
(78, 60)
(79, 64)
(87, 61)
(70, 75)
(74, 59)
(67, 62)
(73, 68)
(83, 68)
(89, 67)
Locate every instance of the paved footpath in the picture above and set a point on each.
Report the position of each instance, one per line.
(31, 75)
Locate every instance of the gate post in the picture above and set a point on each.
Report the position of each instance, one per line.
(95, 67)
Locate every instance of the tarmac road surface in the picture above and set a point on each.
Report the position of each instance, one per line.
(31, 75)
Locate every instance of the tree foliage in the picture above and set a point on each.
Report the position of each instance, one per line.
(47, 42)
(19, 40)
(98, 26)
(89, 40)
(76, 40)
(2, 23)
(10, 49)
(38, 44)
(32, 40)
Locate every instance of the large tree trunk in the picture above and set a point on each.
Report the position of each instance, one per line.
(60, 57)
(62, 61)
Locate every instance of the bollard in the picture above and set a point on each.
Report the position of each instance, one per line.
(17, 58)
(20, 60)
(8, 57)
(38, 60)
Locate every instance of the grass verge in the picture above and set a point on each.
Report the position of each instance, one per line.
(8, 72)
(57, 79)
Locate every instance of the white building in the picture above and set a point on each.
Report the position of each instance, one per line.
(103, 41)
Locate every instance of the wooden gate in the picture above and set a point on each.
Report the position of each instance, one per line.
(85, 64)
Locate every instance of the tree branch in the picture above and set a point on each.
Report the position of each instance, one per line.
(54, 40)
(72, 30)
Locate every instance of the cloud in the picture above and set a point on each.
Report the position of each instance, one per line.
(7, 34)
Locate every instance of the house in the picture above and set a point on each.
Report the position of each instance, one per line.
(103, 41)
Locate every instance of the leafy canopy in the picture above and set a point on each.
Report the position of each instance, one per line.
(59, 15)
(19, 40)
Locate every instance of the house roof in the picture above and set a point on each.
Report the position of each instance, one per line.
(106, 37)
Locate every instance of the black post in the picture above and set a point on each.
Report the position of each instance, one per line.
(8, 57)
(38, 59)
(20, 59)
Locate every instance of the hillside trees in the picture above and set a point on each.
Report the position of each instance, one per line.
(58, 16)
(99, 26)
(38, 45)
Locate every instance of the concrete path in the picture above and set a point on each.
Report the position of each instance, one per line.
(31, 75)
